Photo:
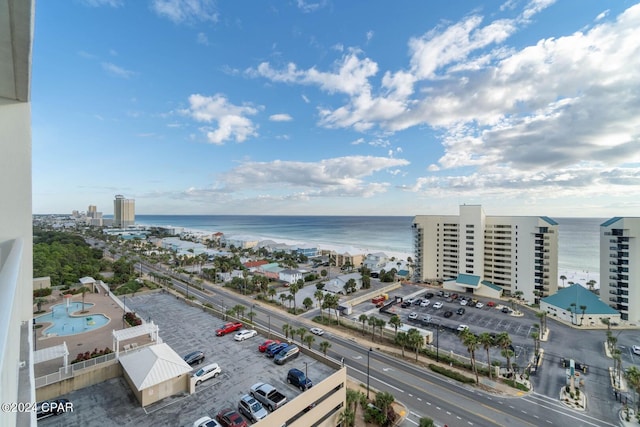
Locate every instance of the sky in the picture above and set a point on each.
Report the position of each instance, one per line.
(325, 107)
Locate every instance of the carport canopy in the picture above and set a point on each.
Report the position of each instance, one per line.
(51, 353)
(150, 329)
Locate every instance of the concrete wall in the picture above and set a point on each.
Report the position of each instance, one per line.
(85, 378)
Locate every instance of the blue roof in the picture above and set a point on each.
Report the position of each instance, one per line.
(549, 220)
(579, 295)
(468, 279)
(492, 285)
(610, 221)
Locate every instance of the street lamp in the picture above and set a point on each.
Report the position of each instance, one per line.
(438, 342)
(124, 309)
(368, 354)
(269, 316)
(305, 371)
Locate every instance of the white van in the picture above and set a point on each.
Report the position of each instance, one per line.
(206, 372)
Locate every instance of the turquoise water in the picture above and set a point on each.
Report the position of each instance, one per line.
(65, 324)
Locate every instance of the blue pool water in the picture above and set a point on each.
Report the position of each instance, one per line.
(64, 324)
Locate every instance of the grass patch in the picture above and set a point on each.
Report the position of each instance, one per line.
(451, 374)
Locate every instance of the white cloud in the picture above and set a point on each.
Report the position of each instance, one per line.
(602, 15)
(100, 3)
(309, 6)
(202, 39)
(232, 121)
(180, 11)
(369, 35)
(116, 70)
(280, 118)
(343, 176)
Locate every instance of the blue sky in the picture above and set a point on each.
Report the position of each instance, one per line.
(528, 107)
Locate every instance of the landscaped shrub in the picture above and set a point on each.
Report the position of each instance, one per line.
(451, 374)
(45, 292)
(132, 319)
(95, 353)
(516, 384)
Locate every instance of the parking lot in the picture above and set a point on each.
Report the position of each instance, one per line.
(186, 329)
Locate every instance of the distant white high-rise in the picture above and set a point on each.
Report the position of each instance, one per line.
(519, 254)
(620, 266)
(124, 212)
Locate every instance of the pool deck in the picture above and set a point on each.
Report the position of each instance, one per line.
(88, 341)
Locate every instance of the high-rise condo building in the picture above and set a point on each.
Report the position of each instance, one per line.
(517, 253)
(620, 266)
(124, 212)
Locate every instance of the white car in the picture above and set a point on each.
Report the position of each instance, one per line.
(463, 302)
(413, 315)
(245, 334)
(206, 422)
(317, 331)
(479, 305)
(425, 303)
(462, 328)
(636, 349)
(410, 300)
(438, 305)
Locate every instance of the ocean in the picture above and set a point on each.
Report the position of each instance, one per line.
(578, 247)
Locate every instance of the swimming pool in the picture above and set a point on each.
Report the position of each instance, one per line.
(62, 323)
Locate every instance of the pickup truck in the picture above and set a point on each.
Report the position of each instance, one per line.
(267, 394)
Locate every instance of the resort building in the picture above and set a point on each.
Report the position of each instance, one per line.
(16, 238)
(519, 255)
(579, 306)
(620, 266)
(124, 212)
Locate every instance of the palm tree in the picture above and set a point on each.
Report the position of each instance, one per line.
(302, 331)
(307, 303)
(363, 318)
(383, 401)
(324, 346)
(415, 340)
(563, 278)
(536, 342)
(272, 292)
(380, 324)
(293, 289)
(39, 301)
(347, 417)
(283, 297)
(470, 341)
(395, 322)
(583, 308)
(372, 322)
(542, 315)
(402, 339)
(632, 375)
(83, 290)
(309, 339)
(319, 296)
(503, 340)
(286, 329)
(486, 341)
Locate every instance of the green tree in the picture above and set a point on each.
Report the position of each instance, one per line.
(632, 375)
(486, 341)
(286, 329)
(583, 309)
(324, 347)
(415, 340)
(272, 292)
(363, 318)
(347, 417)
(373, 323)
(39, 301)
(563, 278)
(470, 341)
(396, 322)
(307, 303)
(503, 340)
(383, 401)
(302, 331)
(308, 340)
(319, 296)
(83, 290)
(535, 336)
(402, 339)
(426, 422)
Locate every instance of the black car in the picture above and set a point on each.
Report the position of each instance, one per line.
(460, 310)
(405, 304)
(49, 408)
(417, 301)
(194, 358)
(448, 313)
(429, 295)
(505, 310)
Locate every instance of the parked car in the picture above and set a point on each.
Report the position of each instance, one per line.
(461, 310)
(194, 358)
(297, 378)
(491, 304)
(409, 300)
(227, 328)
(413, 315)
(471, 303)
(251, 408)
(440, 293)
(273, 349)
(267, 394)
(286, 354)
(463, 302)
(405, 304)
(425, 303)
(438, 305)
(461, 328)
(636, 349)
(446, 295)
(245, 334)
(49, 408)
(506, 310)
(479, 305)
(454, 296)
(230, 418)
(426, 319)
(317, 331)
(263, 347)
(210, 371)
(417, 301)
(206, 422)
(448, 314)
(428, 295)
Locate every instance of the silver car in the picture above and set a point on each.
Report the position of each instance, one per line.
(251, 408)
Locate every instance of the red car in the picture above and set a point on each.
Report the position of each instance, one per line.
(491, 304)
(263, 347)
(230, 418)
(227, 328)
